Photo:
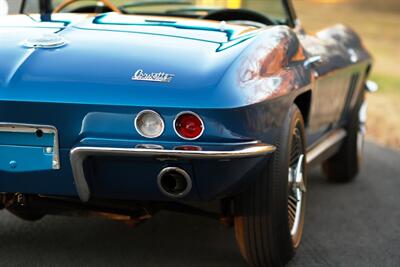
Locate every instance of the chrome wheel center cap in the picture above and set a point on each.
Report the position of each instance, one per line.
(296, 178)
(362, 130)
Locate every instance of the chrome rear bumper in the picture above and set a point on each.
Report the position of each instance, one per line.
(79, 154)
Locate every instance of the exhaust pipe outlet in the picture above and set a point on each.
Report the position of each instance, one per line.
(174, 182)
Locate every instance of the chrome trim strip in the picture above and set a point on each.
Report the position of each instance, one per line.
(328, 141)
(79, 154)
(312, 60)
(33, 128)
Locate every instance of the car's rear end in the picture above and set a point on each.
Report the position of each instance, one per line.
(99, 113)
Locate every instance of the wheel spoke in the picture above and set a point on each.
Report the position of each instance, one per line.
(296, 184)
(293, 199)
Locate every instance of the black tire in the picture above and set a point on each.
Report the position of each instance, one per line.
(262, 226)
(25, 213)
(344, 166)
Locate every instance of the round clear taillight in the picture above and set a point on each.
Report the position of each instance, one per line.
(149, 124)
(188, 125)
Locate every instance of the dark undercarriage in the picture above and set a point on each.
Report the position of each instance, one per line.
(34, 207)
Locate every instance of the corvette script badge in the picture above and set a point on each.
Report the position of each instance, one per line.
(160, 77)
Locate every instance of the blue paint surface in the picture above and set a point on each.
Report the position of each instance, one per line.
(25, 152)
(104, 52)
(24, 159)
(30, 139)
(85, 90)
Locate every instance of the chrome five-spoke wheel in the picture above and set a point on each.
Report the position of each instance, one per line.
(296, 195)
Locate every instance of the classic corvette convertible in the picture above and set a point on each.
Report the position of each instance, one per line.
(125, 108)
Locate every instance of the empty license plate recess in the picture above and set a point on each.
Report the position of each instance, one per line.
(27, 148)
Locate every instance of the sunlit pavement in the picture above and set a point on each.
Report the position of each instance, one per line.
(347, 225)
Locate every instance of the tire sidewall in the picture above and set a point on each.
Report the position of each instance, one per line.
(261, 213)
(281, 169)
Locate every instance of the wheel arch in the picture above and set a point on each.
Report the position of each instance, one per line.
(303, 102)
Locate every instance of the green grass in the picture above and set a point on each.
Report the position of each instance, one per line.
(387, 84)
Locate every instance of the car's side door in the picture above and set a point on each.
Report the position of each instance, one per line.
(331, 84)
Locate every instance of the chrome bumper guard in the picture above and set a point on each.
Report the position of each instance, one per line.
(79, 154)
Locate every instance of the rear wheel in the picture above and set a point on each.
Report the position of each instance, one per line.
(345, 165)
(269, 217)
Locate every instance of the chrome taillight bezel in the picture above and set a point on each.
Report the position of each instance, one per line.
(154, 113)
(189, 113)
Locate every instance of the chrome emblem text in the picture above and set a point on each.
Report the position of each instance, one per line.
(160, 77)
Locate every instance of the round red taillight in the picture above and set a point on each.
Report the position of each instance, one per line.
(189, 125)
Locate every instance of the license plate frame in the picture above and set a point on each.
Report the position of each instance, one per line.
(31, 137)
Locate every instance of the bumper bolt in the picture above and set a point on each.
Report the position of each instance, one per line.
(13, 164)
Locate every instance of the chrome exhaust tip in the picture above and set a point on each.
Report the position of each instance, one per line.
(174, 182)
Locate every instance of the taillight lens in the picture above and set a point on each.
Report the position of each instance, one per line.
(149, 124)
(189, 126)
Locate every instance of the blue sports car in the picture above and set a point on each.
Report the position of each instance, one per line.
(125, 108)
